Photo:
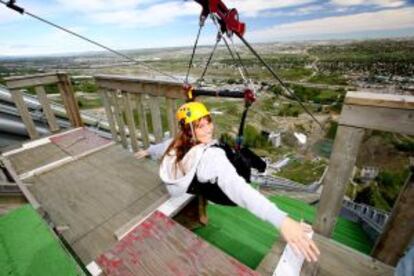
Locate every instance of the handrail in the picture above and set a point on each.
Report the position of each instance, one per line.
(130, 99)
(38, 81)
(130, 102)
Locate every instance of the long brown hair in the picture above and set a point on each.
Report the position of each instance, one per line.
(184, 140)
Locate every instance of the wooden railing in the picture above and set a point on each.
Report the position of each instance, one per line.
(61, 79)
(129, 102)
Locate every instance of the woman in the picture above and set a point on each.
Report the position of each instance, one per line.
(193, 164)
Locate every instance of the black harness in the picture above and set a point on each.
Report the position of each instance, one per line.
(243, 161)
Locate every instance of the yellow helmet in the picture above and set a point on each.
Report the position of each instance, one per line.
(191, 112)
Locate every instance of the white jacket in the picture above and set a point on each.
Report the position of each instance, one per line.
(211, 165)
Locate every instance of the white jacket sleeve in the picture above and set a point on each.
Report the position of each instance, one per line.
(157, 151)
(216, 168)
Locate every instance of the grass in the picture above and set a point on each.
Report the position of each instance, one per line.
(305, 172)
(323, 147)
(331, 79)
(317, 95)
(295, 74)
(85, 103)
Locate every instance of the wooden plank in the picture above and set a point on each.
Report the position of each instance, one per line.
(379, 118)
(335, 259)
(143, 125)
(99, 239)
(77, 142)
(156, 118)
(130, 121)
(61, 162)
(116, 102)
(38, 142)
(33, 158)
(134, 222)
(47, 110)
(30, 198)
(31, 80)
(341, 164)
(172, 121)
(17, 97)
(160, 246)
(399, 231)
(174, 91)
(131, 79)
(68, 96)
(109, 114)
(380, 100)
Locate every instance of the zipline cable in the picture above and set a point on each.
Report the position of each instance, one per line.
(201, 79)
(278, 79)
(22, 11)
(190, 63)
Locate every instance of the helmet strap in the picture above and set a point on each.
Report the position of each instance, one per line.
(193, 136)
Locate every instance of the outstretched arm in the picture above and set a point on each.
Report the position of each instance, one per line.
(214, 166)
(154, 151)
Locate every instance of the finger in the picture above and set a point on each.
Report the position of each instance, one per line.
(304, 248)
(310, 250)
(314, 247)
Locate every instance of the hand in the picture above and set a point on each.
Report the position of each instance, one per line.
(141, 154)
(295, 234)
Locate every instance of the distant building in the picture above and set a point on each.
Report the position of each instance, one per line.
(276, 139)
(369, 173)
(280, 164)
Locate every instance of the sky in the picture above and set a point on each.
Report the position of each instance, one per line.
(135, 24)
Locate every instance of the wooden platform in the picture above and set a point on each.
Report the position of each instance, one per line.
(88, 186)
(160, 246)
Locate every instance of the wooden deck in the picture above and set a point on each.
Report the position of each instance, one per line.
(93, 197)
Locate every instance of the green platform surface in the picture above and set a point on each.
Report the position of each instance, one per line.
(28, 247)
(248, 239)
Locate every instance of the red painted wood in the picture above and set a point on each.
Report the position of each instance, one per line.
(160, 246)
(79, 141)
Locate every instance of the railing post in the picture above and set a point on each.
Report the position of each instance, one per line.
(341, 163)
(143, 125)
(109, 114)
(68, 97)
(399, 230)
(117, 101)
(156, 118)
(171, 108)
(155, 115)
(47, 110)
(24, 113)
(130, 121)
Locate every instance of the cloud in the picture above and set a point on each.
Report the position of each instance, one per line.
(52, 41)
(149, 13)
(102, 5)
(155, 15)
(253, 8)
(380, 3)
(385, 20)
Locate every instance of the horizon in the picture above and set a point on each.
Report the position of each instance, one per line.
(144, 24)
(105, 52)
